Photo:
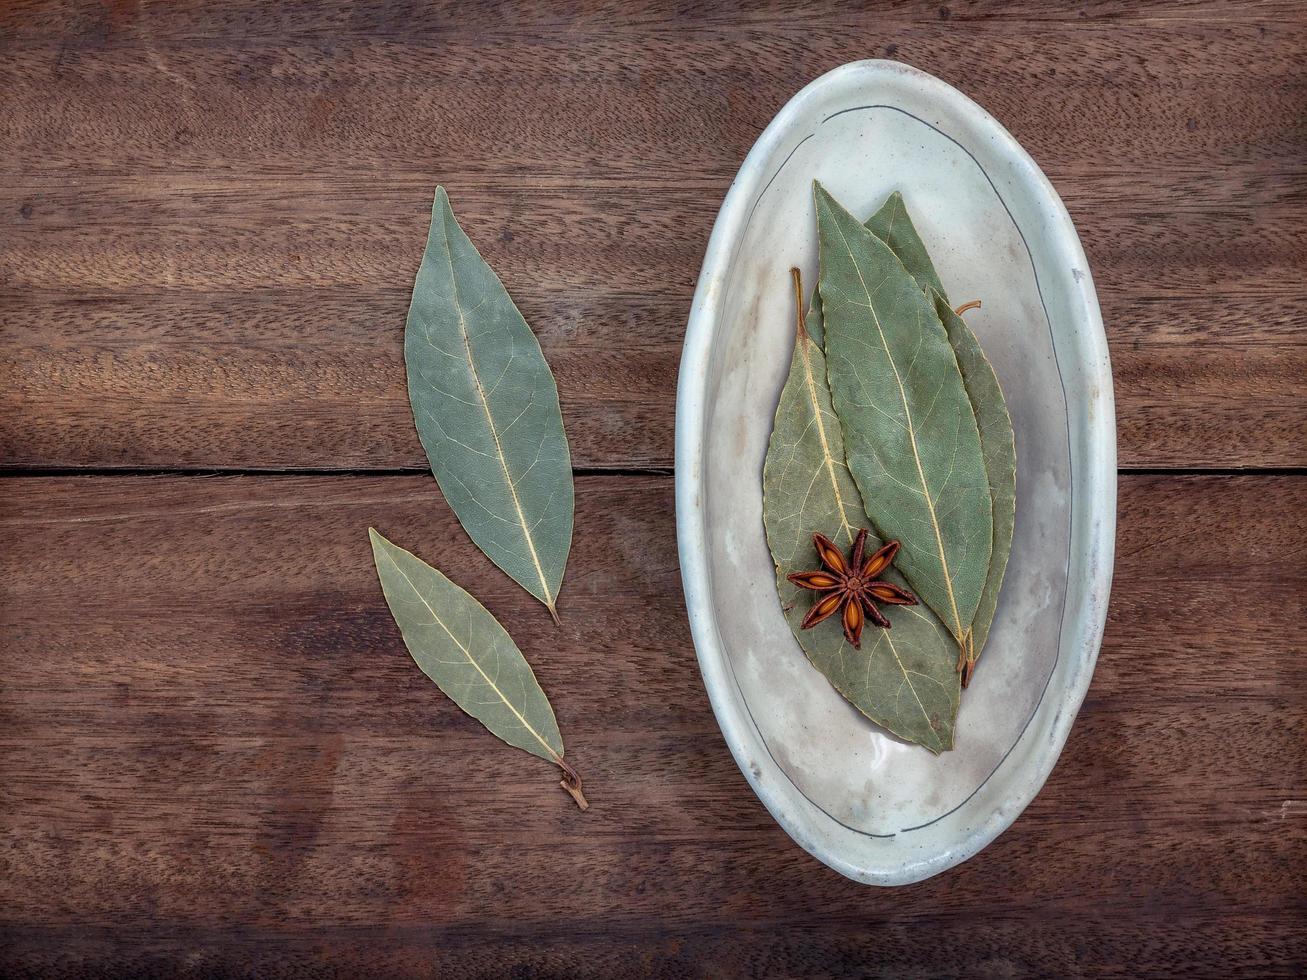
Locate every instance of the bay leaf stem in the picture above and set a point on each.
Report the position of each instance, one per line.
(798, 301)
(571, 782)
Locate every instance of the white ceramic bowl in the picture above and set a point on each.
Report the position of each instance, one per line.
(867, 804)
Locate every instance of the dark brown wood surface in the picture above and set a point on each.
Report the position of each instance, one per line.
(216, 758)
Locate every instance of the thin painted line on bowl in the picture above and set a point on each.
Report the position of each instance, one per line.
(763, 192)
(797, 788)
(1057, 653)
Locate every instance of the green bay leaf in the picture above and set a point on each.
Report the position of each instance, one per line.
(487, 412)
(459, 645)
(999, 446)
(911, 438)
(893, 225)
(904, 678)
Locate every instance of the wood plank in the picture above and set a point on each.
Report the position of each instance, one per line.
(44, 19)
(215, 744)
(1164, 97)
(1078, 946)
(256, 323)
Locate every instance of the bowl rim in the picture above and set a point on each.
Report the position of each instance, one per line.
(1098, 480)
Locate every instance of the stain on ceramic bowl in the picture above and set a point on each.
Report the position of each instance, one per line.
(872, 807)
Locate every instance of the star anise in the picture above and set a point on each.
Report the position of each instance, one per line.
(851, 586)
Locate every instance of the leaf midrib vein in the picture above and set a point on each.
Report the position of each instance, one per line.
(811, 383)
(889, 641)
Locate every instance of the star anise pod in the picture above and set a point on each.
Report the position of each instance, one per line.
(851, 586)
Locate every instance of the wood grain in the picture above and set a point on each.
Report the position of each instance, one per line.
(208, 232)
(218, 758)
(46, 19)
(594, 103)
(178, 323)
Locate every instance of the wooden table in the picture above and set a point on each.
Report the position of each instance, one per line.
(216, 757)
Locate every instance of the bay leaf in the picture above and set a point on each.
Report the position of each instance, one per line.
(487, 412)
(459, 645)
(998, 444)
(904, 678)
(893, 225)
(911, 438)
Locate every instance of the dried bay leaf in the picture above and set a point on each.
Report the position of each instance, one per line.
(998, 444)
(911, 438)
(470, 657)
(487, 412)
(893, 225)
(903, 679)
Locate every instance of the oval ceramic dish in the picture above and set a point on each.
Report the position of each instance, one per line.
(872, 807)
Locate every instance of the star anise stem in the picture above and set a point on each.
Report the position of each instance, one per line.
(851, 587)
